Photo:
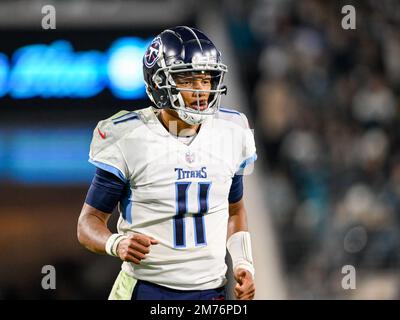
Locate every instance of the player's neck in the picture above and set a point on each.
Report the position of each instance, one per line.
(175, 125)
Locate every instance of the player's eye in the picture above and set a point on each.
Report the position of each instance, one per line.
(184, 82)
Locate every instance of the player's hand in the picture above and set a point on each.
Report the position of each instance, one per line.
(245, 288)
(135, 247)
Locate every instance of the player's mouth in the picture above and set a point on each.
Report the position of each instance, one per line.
(200, 105)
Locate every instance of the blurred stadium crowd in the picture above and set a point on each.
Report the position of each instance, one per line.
(326, 106)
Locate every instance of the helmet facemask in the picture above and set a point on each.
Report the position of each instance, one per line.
(199, 110)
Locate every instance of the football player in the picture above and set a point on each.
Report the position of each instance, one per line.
(176, 171)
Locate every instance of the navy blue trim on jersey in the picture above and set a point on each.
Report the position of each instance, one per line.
(131, 117)
(229, 111)
(125, 115)
(236, 191)
(145, 290)
(105, 191)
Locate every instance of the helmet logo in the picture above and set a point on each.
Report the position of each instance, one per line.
(153, 53)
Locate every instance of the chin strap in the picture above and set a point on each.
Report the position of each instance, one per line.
(192, 119)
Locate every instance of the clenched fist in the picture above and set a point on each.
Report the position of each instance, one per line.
(245, 288)
(135, 247)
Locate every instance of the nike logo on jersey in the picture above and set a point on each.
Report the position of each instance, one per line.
(102, 135)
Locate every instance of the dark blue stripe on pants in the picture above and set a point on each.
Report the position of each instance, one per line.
(149, 291)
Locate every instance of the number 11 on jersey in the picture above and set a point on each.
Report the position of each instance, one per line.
(181, 189)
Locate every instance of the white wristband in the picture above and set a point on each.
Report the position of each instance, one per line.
(112, 243)
(239, 247)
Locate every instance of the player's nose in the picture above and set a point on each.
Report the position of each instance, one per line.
(198, 85)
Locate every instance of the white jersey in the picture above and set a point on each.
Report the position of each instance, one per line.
(177, 194)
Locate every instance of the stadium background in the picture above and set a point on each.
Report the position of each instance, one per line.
(324, 103)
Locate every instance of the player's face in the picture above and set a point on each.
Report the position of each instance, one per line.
(194, 81)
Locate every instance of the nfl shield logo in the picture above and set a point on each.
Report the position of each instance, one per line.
(189, 157)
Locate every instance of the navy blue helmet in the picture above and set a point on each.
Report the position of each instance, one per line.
(183, 50)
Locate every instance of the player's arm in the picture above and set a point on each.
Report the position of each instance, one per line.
(239, 244)
(237, 218)
(92, 230)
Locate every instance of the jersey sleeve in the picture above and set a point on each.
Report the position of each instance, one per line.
(248, 147)
(105, 191)
(105, 152)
